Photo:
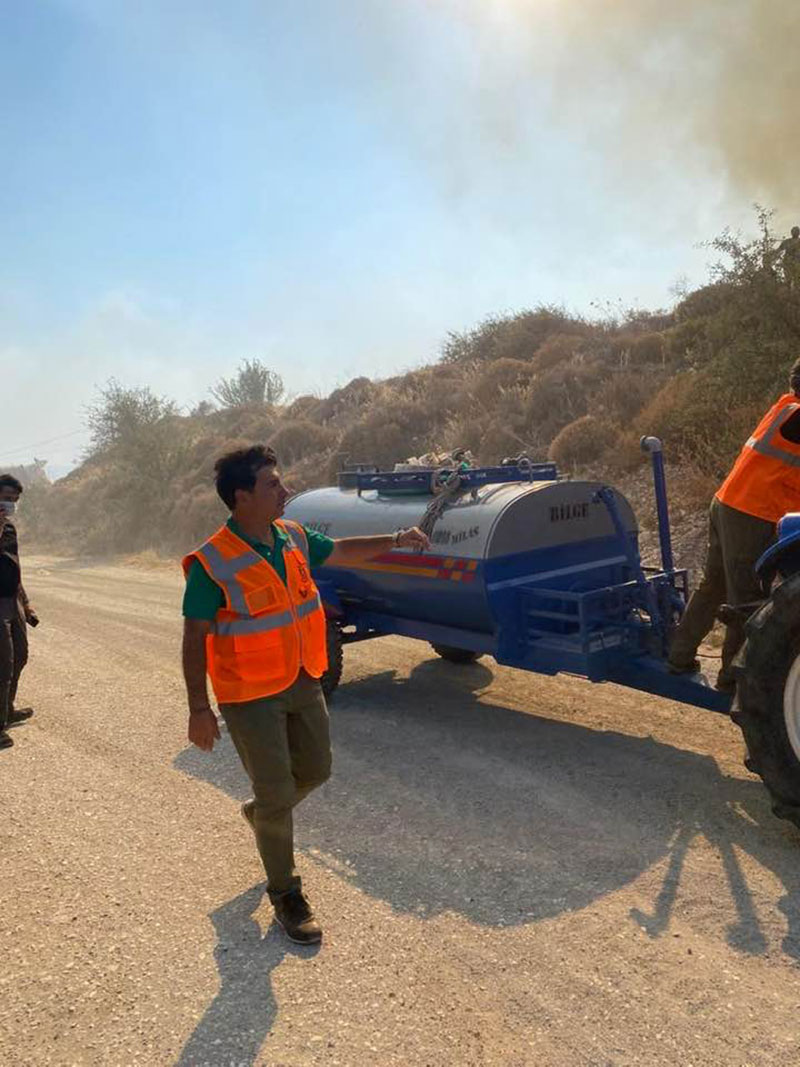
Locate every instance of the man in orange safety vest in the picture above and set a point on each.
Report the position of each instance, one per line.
(254, 622)
(763, 486)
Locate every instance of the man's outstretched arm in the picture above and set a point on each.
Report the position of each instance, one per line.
(349, 550)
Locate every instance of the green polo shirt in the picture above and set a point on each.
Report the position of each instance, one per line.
(202, 597)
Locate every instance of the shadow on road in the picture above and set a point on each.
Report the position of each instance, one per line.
(442, 802)
(242, 1013)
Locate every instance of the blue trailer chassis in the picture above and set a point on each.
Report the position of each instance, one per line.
(613, 633)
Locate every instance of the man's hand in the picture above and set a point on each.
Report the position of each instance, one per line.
(414, 539)
(203, 728)
(31, 617)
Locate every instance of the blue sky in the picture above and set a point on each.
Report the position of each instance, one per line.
(328, 186)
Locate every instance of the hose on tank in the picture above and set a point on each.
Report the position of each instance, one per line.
(451, 489)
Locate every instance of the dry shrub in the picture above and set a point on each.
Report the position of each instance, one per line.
(294, 441)
(664, 415)
(703, 302)
(517, 336)
(622, 396)
(388, 434)
(312, 472)
(701, 419)
(345, 403)
(465, 430)
(197, 515)
(497, 441)
(246, 423)
(693, 488)
(558, 350)
(303, 407)
(625, 454)
(582, 441)
(647, 350)
(497, 376)
(556, 398)
(441, 389)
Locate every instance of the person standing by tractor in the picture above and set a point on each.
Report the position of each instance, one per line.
(789, 249)
(254, 621)
(15, 612)
(763, 486)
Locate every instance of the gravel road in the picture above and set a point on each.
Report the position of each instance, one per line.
(510, 870)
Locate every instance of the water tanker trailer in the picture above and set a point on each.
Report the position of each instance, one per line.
(544, 573)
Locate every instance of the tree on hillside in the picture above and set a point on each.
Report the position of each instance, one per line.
(254, 384)
(120, 415)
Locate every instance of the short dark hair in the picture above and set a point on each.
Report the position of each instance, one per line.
(238, 470)
(794, 378)
(8, 481)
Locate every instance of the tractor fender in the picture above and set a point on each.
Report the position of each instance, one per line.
(783, 557)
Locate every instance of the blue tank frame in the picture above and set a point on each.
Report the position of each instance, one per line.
(615, 629)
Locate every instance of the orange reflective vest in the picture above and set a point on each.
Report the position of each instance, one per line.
(765, 479)
(267, 630)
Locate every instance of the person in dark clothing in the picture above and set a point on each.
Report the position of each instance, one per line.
(15, 612)
(790, 251)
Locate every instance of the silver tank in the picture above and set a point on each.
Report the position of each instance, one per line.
(549, 533)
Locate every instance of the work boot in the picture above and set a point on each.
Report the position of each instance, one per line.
(294, 913)
(5, 740)
(693, 667)
(19, 715)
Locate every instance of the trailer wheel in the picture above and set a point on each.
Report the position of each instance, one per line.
(455, 655)
(333, 675)
(768, 697)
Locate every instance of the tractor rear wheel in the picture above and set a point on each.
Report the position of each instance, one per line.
(333, 675)
(768, 697)
(455, 655)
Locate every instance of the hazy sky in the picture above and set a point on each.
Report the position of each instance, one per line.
(329, 185)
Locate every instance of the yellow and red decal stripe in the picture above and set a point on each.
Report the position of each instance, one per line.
(445, 568)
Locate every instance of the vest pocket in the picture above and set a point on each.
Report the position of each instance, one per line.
(262, 656)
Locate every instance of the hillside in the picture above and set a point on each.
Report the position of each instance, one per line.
(539, 381)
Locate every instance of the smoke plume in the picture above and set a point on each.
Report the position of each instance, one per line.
(663, 92)
(714, 82)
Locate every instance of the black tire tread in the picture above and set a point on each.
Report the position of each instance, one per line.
(773, 642)
(333, 675)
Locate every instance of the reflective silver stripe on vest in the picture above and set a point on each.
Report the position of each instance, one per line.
(225, 571)
(765, 446)
(297, 538)
(260, 624)
(257, 624)
(308, 606)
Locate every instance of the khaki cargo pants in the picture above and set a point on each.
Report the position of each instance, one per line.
(735, 542)
(284, 745)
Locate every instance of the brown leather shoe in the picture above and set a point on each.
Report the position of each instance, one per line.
(6, 741)
(294, 913)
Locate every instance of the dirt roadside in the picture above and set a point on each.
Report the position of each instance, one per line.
(510, 870)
